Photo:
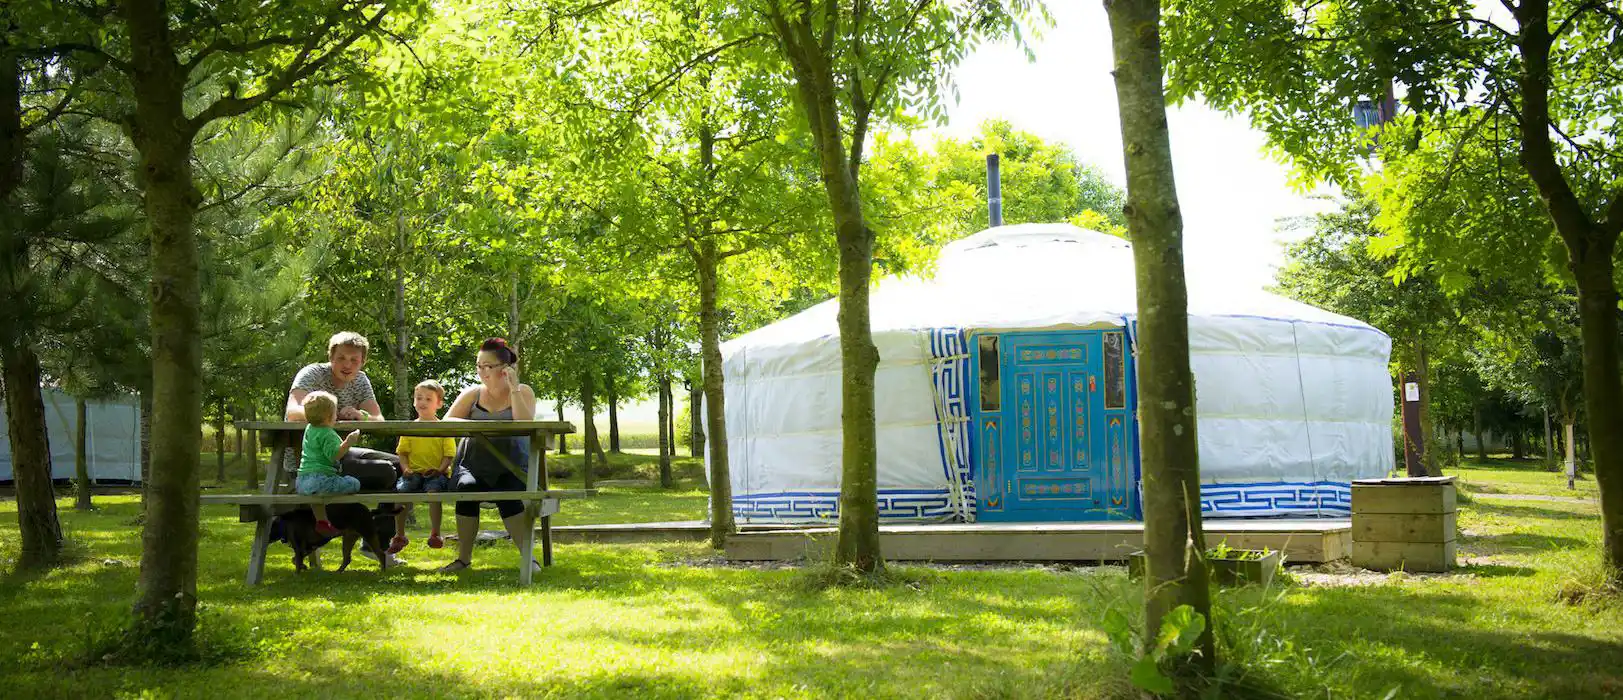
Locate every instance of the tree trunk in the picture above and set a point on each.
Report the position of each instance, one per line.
(1481, 444)
(1549, 440)
(670, 426)
(81, 455)
(400, 348)
(1517, 452)
(30, 455)
(1459, 442)
(563, 440)
(614, 417)
(708, 262)
(696, 420)
(667, 437)
(588, 404)
(166, 604)
(1175, 572)
(513, 317)
(235, 413)
(253, 450)
(1590, 247)
(1423, 378)
(41, 532)
(146, 448)
(219, 441)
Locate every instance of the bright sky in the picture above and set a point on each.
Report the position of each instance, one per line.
(1232, 192)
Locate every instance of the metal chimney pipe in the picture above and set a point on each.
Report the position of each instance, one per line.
(994, 191)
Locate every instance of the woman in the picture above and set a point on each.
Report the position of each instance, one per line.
(499, 396)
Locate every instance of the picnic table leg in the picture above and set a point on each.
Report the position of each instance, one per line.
(546, 540)
(539, 457)
(526, 549)
(273, 476)
(256, 557)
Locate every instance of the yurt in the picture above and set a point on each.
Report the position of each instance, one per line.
(1006, 393)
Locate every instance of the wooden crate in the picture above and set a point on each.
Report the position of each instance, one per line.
(1406, 524)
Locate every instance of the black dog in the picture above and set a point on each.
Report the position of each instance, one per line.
(353, 520)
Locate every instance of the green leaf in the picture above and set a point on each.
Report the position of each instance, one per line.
(1146, 675)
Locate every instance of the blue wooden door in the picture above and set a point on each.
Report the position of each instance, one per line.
(1053, 429)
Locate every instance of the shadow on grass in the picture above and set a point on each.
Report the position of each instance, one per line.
(1524, 542)
(1469, 645)
(1505, 463)
(1495, 570)
(1504, 509)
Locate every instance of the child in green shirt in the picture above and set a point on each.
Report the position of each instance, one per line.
(318, 467)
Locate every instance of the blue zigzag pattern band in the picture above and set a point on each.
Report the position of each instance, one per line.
(949, 373)
(1321, 498)
(1277, 498)
(894, 504)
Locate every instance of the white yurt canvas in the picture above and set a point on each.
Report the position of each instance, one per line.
(1005, 391)
(113, 437)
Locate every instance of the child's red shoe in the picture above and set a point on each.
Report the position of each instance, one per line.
(398, 543)
(325, 528)
(435, 542)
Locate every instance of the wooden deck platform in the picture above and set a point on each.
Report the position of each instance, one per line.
(1303, 540)
(627, 533)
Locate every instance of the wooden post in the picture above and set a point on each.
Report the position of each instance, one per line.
(1414, 446)
(1572, 452)
(1404, 524)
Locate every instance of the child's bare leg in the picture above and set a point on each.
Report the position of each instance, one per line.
(436, 510)
(400, 521)
(320, 510)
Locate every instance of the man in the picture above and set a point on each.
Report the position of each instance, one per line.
(340, 376)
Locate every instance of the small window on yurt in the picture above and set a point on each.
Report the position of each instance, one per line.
(1115, 372)
(991, 390)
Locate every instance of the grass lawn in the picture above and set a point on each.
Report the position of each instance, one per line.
(664, 621)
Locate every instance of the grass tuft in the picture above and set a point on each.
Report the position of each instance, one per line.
(823, 576)
(115, 642)
(1592, 583)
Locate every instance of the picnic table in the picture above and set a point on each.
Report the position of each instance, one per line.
(540, 502)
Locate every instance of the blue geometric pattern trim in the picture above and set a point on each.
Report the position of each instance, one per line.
(894, 504)
(949, 373)
(1327, 498)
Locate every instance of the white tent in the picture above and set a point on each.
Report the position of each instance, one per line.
(1293, 402)
(113, 438)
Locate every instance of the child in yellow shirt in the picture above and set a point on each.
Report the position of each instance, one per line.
(426, 462)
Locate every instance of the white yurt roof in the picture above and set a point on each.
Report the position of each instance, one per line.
(1034, 276)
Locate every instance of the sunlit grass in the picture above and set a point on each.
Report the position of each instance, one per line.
(636, 621)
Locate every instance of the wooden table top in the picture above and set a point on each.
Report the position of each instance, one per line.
(442, 428)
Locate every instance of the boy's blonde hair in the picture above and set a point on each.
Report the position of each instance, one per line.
(433, 386)
(319, 407)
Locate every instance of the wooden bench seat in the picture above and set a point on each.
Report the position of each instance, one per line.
(254, 506)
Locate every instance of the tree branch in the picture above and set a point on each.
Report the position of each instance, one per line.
(302, 67)
(1567, 23)
(227, 46)
(1459, 146)
(1614, 215)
